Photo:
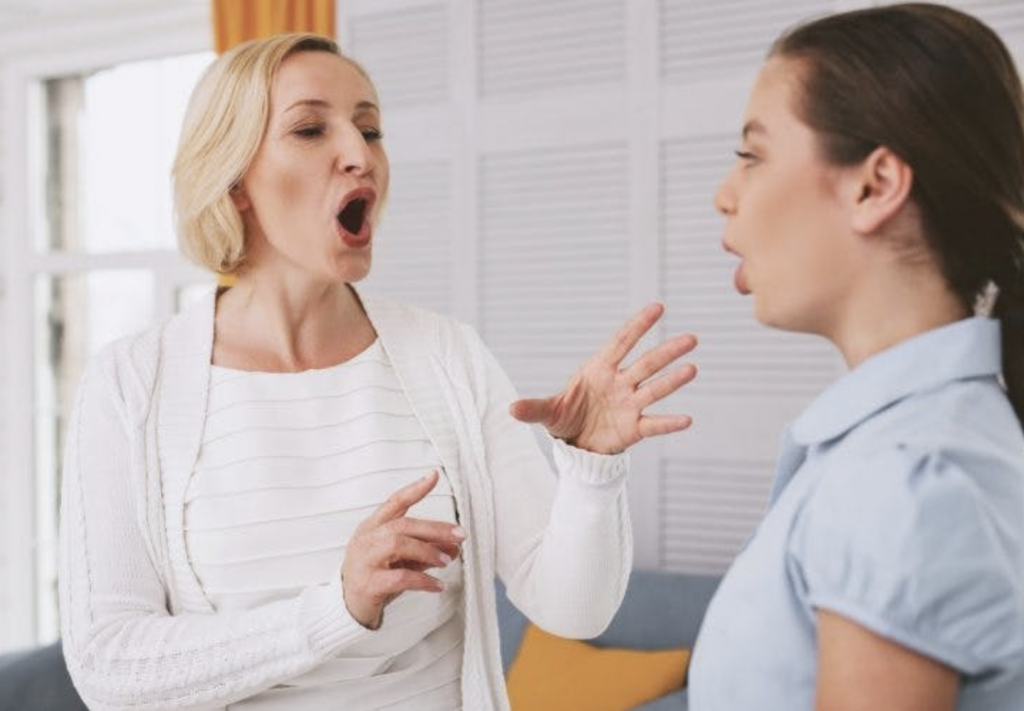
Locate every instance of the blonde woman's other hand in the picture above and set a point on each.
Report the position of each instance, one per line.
(602, 407)
(389, 553)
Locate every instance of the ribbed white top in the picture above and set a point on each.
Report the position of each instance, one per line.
(290, 464)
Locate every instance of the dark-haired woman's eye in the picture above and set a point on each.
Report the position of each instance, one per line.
(745, 156)
(310, 132)
(370, 135)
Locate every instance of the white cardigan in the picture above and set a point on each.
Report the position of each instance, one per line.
(140, 634)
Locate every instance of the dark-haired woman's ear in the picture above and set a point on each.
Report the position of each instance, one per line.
(881, 192)
(240, 197)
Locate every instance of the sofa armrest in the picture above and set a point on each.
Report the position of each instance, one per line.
(37, 680)
(676, 701)
(662, 610)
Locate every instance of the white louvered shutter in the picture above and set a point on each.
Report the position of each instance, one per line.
(553, 252)
(406, 53)
(713, 482)
(554, 163)
(412, 257)
(703, 40)
(753, 380)
(406, 50)
(533, 46)
(553, 209)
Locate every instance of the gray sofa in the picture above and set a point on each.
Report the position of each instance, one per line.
(661, 610)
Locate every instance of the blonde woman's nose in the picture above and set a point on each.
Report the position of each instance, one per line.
(354, 154)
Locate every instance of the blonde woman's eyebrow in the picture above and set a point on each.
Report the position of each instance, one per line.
(361, 107)
(317, 103)
(364, 106)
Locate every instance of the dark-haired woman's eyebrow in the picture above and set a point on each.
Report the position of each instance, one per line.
(754, 127)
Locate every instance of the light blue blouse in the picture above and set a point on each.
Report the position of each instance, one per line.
(898, 503)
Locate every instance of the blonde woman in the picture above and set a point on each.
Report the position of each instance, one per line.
(295, 497)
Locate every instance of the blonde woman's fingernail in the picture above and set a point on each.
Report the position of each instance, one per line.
(459, 532)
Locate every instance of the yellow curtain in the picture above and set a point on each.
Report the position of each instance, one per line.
(237, 21)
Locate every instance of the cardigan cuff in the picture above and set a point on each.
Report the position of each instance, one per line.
(588, 467)
(328, 623)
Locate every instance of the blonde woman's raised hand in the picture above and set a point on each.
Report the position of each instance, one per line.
(389, 553)
(602, 407)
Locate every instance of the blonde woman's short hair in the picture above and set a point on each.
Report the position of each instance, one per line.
(224, 125)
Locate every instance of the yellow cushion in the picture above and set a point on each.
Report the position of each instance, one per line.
(554, 674)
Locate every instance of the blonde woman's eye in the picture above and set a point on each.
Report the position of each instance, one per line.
(309, 131)
(372, 134)
(746, 156)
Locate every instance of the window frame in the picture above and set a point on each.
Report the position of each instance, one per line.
(84, 45)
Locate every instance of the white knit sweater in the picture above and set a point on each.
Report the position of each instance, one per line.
(140, 634)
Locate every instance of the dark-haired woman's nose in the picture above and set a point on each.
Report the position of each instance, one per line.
(725, 199)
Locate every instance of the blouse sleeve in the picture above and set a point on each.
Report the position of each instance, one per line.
(123, 648)
(563, 543)
(907, 543)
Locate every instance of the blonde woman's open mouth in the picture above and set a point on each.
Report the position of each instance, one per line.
(353, 217)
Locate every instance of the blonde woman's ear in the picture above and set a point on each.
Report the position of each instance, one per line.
(239, 197)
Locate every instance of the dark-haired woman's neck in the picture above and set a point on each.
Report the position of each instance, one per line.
(891, 307)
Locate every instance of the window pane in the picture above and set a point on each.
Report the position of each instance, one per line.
(109, 145)
(74, 317)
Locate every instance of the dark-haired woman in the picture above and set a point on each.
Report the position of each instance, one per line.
(878, 201)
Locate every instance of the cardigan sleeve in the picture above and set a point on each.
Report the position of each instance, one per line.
(563, 542)
(124, 649)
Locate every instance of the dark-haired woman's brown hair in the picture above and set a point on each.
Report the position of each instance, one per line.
(939, 88)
